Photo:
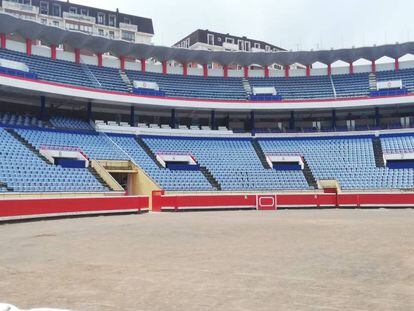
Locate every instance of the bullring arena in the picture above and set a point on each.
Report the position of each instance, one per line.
(220, 172)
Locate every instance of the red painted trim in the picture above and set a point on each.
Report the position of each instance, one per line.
(205, 70)
(226, 71)
(194, 99)
(28, 46)
(266, 72)
(287, 68)
(185, 70)
(43, 207)
(100, 59)
(3, 40)
(329, 69)
(53, 51)
(77, 56)
(164, 67)
(246, 71)
(308, 70)
(397, 64)
(351, 68)
(143, 65)
(274, 201)
(373, 66)
(122, 62)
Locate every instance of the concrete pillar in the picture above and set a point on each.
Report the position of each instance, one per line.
(77, 56)
(53, 51)
(42, 114)
(185, 70)
(205, 70)
(226, 71)
(143, 65)
(351, 68)
(266, 72)
(373, 66)
(29, 46)
(89, 115)
(329, 69)
(213, 120)
(100, 59)
(132, 116)
(377, 117)
(292, 121)
(308, 70)
(333, 124)
(122, 61)
(246, 71)
(173, 119)
(164, 67)
(3, 40)
(287, 68)
(397, 64)
(252, 122)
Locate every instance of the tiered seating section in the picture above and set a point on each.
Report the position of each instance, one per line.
(233, 162)
(24, 171)
(213, 88)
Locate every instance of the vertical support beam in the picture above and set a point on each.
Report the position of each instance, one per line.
(377, 117)
(205, 70)
(333, 124)
(397, 64)
(132, 116)
(100, 59)
(29, 46)
(122, 61)
(89, 116)
(143, 65)
(266, 72)
(42, 114)
(185, 70)
(173, 119)
(287, 68)
(373, 66)
(3, 40)
(164, 67)
(226, 71)
(252, 121)
(213, 120)
(329, 69)
(292, 121)
(351, 68)
(227, 121)
(77, 56)
(308, 70)
(53, 51)
(246, 71)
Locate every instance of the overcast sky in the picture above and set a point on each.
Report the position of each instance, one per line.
(292, 24)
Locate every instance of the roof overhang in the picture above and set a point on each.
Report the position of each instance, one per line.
(96, 44)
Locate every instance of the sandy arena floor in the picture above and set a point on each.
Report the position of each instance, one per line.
(286, 260)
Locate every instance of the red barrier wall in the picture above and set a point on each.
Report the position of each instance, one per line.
(31, 208)
(162, 201)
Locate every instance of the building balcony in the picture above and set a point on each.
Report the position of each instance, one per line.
(128, 27)
(13, 6)
(79, 18)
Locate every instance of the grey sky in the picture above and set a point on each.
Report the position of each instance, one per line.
(292, 24)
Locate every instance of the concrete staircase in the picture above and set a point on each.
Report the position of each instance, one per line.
(260, 154)
(27, 145)
(126, 80)
(209, 176)
(310, 178)
(378, 154)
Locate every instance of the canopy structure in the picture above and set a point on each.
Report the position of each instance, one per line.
(54, 36)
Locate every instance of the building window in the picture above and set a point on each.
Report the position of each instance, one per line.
(73, 10)
(230, 40)
(111, 35)
(44, 7)
(257, 45)
(43, 21)
(101, 18)
(267, 48)
(128, 36)
(210, 39)
(56, 24)
(127, 20)
(56, 10)
(84, 12)
(112, 20)
(101, 32)
(241, 45)
(247, 45)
